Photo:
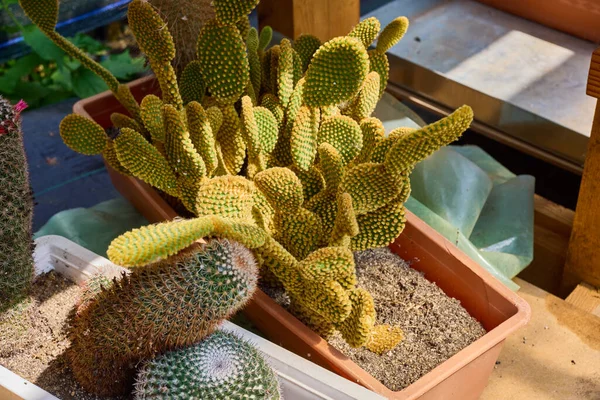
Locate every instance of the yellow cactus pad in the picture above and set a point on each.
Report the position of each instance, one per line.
(373, 132)
(330, 264)
(332, 166)
(328, 299)
(233, 147)
(306, 46)
(384, 338)
(226, 196)
(336, 72)
(83, 135)
(43, 13)
(312, 181)
(123, 121)
(379, 63)
(281, 187)
(384, 145)
(254, 59)
(371, 187)
(215, 118)
(300, 231)
(272, 103)
(231, 11)
(358, 327)
(151, 32)
(181, 153)
(366, 101)
(201, 135)
(345, 226)
(144, 161)
(303, 139)
(151, 114)
(324, 204)
(392, 34)
(380, 227)
(285, 72)
(191, 85)
(110, 156)
(267, 129)
(344, 134)
(223, 61)
(250, 128)
(418, 145)
(366, 30)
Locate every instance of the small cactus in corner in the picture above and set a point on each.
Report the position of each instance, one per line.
(162, 306)
(16, 208)
(222, 366)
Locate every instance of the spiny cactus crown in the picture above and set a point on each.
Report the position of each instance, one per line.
(222, 366)
(295, 119)
(159, 307)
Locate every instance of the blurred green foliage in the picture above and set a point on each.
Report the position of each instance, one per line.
(48, 75)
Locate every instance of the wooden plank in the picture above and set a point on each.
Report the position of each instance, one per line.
(554, 357)
(576, 17)
(583, 257)
(552, 230)
(323, 18)
(586, 297)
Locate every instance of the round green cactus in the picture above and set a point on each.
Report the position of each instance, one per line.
(222, 366)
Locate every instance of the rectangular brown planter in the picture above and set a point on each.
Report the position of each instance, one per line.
(463, 376)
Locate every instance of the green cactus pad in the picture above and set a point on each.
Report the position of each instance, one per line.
(83, 135)
(161, 307)
(264, 39)
(231, 11)
(201, 135)
(281, 187)
(336, 72)
(267, 129)
(230, 138)
(373, 132)
(254, 60)
(123, 121)
(392, 34)
(357, 328)
(367, 98)
(418, 145)
(324, 204)
(331, 264)
(250, 128)
(274, 68)
(303, 139)
(379, 228)
(144, 161)
(150, 31)
(282, 151)
(345, 225)
(243, 25)
(300, 231)
(366, 31)
(344, 134)
(222, 366)
(285, 72)
(226, 196)
(384, 145)
(380, 64)
(43, 13)
(151, 115)
(332, 166)
(181, 153)
(272, 103)
(191, 85)
(223, 61)
(110, 156)
(328, 299)
(306, 46)
(215, 118)
(312, 181)
(371, 187)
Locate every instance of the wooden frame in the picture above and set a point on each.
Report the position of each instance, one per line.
(583, 257)
(576, 17)
(323, 18)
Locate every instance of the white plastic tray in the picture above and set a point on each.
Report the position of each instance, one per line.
(300, 379)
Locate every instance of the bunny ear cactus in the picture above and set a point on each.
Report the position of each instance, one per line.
(16, 210)
(222, 366)
(159, 307)
(319, 176)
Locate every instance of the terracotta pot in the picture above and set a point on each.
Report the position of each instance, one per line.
(463, 376)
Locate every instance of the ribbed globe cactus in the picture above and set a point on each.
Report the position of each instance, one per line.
(220, 367)
(16, 208)
(158, 307)
(319, 177)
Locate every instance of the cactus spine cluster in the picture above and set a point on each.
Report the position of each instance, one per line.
(16, 208)
(222, 366)
(159, 307)
(280, 139)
